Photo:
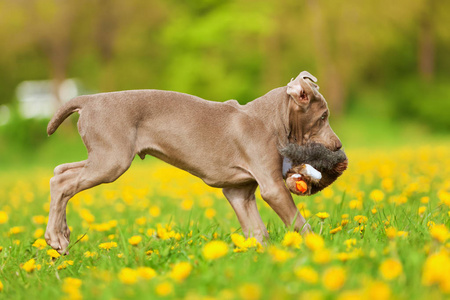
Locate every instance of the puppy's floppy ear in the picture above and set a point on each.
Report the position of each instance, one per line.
(303, 89)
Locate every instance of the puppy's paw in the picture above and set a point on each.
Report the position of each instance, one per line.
(58, 240)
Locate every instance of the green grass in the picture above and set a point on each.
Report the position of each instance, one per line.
(134, 200)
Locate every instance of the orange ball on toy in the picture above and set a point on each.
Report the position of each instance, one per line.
(301, 186)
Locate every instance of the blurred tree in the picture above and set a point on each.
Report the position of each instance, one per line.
(426, 46)
(52, 25)
(221, 49)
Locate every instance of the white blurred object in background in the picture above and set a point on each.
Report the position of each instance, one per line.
(5, 114)
(37, 100)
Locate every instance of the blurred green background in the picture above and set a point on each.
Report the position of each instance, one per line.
(383, 66)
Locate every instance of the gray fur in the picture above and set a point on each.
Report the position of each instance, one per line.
(315, 154)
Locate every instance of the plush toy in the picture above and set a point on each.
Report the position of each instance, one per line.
(310, 168)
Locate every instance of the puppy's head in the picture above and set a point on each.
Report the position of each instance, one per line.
(308, 114)
(330, 163)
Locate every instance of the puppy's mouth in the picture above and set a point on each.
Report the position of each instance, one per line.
(331, 164)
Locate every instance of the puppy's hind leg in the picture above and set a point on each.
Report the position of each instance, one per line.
(69, 167)
(99, 168)
(243, 201)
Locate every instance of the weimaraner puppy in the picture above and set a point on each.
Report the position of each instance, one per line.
(229, 146)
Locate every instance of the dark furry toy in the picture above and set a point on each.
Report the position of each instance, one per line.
(307, 161)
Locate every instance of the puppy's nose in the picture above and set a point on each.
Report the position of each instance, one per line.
(338, 145)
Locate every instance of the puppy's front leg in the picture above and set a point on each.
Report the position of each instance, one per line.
(275, 193)
(243, 201)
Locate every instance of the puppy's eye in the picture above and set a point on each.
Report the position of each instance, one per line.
(324, 116)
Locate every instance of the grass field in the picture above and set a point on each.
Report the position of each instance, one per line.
(382, 232)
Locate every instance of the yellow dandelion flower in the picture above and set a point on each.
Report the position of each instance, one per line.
(65, 264)
(306, 213)
(425, 200)
(360, 219)
(83, 237)
(334, 278)
(187, 204)
(314, 242)
(107, 245)
(355, 204)
(387, 184)
(328, 193)
(279, 255)
(71, 287)
(249, 291)
(3, 217)
(40, 244)
(146, 273)
(128, 276)
(440, 233)
(39, 220)
(89, 254)
(135, 240)
(322, 256)
(436, 270)
(72, 282)
(154, 211)
(141, 221)
(403, 234)
(292, 239)
(421, 210)
(343, 256)
(391, 269)
(377, 290)
(350, 243)
(163, 233)
(307, 274)
(243, 244)
(53, 253)
(336, 230)
(444, 197)
(214, 250)
(210, 213)
(29, 266)
(86, 215)
(1, 286)
(164, 289)
(376, 195)
(38, 233)
(16, 230)
(206, 202)
(344, 222)
(180, 271)
(322, 215)
(391, 232)
(359, 229)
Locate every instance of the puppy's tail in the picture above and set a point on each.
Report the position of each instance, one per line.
(64, 111)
